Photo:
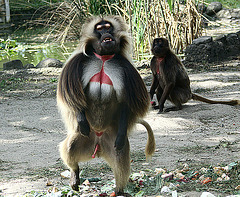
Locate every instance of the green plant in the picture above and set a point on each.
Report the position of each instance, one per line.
(10, 83)
(7, 47)
(7, 44)
(52, 80)
(2, 84)
(180, 23)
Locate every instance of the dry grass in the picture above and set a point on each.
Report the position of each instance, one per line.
(180, 23)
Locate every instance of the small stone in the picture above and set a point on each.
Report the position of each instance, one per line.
(66, 174)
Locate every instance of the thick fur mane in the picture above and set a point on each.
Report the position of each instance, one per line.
(120, 31)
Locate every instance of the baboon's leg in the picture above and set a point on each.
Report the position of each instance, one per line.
(178, 96)
(119, 160)
(159, 93)
(74, 149)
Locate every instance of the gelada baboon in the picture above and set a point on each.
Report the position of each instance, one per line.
(101, 96)
(170, 79)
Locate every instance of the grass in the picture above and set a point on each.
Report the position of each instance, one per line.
(21, 4)
(30, 4)
(11, 83)
(178, 21)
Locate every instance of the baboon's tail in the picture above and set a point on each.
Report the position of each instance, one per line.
(150, 146)
(200, 98)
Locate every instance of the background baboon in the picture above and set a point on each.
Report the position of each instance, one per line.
(170, 79)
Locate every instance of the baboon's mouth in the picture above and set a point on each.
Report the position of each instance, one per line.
(108, 39)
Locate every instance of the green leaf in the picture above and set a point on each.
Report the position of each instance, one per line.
(231, 165)
(139, 194)
(170, 3)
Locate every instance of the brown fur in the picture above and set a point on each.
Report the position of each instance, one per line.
(170, 79)
(85, 114)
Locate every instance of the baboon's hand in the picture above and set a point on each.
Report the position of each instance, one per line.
(161, 108)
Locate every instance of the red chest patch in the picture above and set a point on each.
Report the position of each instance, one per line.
(159, 60)
(101, 77)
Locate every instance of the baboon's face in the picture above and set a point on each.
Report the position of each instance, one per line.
(160, 47)
(106, 43)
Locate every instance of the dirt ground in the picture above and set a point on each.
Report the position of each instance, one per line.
(31, 129)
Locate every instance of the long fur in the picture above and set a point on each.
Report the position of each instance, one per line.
(70, 91)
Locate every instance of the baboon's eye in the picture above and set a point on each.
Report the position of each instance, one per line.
(99, 27)
(107, 26)
(159, 42)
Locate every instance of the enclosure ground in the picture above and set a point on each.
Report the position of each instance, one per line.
(31, 129)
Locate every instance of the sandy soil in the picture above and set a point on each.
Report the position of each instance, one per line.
(31, 129)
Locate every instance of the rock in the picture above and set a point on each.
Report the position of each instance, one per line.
(202, 40)
(213, 8)
(207, 50)
(229, 13)
(14, 64)
(49, 62)
(233, 44)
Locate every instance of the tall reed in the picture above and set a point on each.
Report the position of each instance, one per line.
(179, 23)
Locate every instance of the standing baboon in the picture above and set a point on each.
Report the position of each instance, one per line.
(101, 96)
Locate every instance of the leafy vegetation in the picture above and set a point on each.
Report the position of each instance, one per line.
(33, 51)
(180, 23)
(7, 47)
(11, 83)
(7, 44)
(223, 179)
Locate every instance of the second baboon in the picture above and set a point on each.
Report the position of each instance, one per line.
(170, 79)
